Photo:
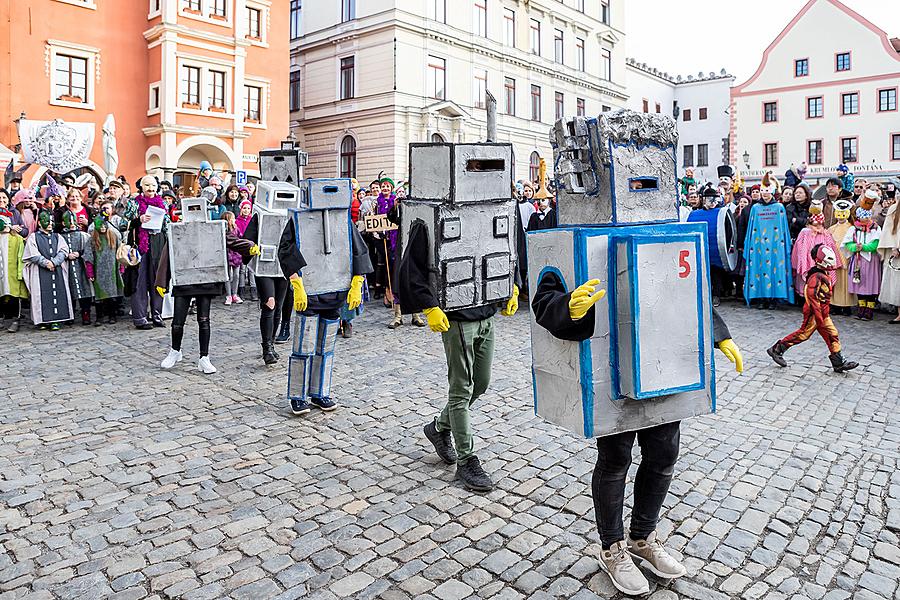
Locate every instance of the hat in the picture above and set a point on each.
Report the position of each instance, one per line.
(204, 165)
(83, 180)
(387, 179)
(818, 218)
(52, 189)
(862, 213)
(842, 204)
(243, 202)
(115, 183)
(725, 171)
(23, 195)
(843, 168)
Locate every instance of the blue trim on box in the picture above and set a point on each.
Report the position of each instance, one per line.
(585, 360)
(333, 179)
(712, 356)
(295, 217)
(612, 289)
(558, 273)
(656, 189)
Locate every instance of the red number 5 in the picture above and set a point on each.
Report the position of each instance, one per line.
(683, 264)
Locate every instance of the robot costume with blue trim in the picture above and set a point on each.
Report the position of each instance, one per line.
(633, 362)
(326, 259)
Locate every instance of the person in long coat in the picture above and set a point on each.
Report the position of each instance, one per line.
(48, 281)
(889, 249)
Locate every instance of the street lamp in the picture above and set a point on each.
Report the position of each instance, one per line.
(746, 159)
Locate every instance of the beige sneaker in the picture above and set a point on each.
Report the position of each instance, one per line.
(622, 571)
(651, 554)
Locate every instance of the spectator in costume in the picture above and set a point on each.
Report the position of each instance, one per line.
(861, 241)
(46, 275)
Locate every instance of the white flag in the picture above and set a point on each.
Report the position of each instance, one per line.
(57, 145)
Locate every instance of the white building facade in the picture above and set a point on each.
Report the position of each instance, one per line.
(825, 93)
(370, 77)
(700, 106)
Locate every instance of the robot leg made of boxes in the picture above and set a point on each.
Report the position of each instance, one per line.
(326, 260)
(636, 361)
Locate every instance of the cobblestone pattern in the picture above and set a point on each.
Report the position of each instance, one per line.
(120, 480)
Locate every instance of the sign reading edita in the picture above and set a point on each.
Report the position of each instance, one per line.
(379, 224)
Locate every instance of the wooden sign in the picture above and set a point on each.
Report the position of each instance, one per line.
(379, 224)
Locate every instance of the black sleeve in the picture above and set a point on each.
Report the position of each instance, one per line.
(289, 255)
(720, 329)
(362, 262)
(534, 222)
(551, 311)
(413, 281)
(240, 245)
(252, 231)
(393, 215)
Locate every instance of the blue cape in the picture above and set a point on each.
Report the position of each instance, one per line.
(767, 254)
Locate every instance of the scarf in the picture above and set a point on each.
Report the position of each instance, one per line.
(143, 235)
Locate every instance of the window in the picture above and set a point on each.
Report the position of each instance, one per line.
(348, 10)
(296, 12)
(895, 146)
(509, 85)
(295, 88)
(154, 6)
(348, 77)
(480, 88)
(558, 46)
(887, 100)
(606, 108)
(842, 62)
(217, 90)
(770, 112)
(190, 86)
(686, 115)
(850, 103)
(154, 97)
(849, 150)
(440, 10)
(815, 108)
(535, 102)
(192, 5)
(437, 138)
(479, 25)
(253, 110)
(580, 5)
(509, 27)
(217, 9)
(704, 114)
(606, 63)
(801, 67)
(254, 19)
(71, 78)
(688, 156)
(702, 155)
(814, 152)
(579, 54)
(579, 107)
(604, 11)
(560, 104)
(534, 166)
(770, 158)
(646, 105)
(437, 77)
(348, 156)
(535, 37)
(658, 108)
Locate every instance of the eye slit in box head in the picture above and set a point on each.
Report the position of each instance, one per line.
(643, 184)
(330, 189)
(483, 165)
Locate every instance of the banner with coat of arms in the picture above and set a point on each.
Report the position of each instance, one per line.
(57, 145)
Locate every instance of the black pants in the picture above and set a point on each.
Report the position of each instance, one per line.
(659, 451)
(85, 304)
(10, 307)
(182, 304)
(270, 318)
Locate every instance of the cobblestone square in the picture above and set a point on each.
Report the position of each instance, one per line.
(120, 480)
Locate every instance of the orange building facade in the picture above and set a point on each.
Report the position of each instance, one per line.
(186, 80)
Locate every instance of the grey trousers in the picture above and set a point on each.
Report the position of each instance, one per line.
(144, 288)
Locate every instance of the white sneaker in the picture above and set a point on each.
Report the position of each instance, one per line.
(624, 574)
(227, 300)
(651, 554)
(206, 366)
(173, 357)
(237, 300)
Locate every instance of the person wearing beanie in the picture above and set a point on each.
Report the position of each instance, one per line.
(80, 287)
(845, 177)
(204, 174)
(767, 251)
(12, 248)
(25, 202)
(46, 275)
(861, 241)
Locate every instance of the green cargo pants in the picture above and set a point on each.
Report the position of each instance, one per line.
(469, 347)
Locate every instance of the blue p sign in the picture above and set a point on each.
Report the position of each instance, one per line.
(241, 177)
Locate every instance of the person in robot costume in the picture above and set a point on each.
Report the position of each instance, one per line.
(323, 308)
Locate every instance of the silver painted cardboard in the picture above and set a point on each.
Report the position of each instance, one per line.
(471, 250)
(194, 210)
(326, 194)
(324, 239)
(584, 387)
(197, 252)
(282, 165)
(271, 226)
(460, 173)
(277, 195)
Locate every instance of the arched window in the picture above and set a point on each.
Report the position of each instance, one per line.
(534, 166)
(437, 138)
(348, 157)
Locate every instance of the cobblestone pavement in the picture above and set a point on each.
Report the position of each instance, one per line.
(120, 480)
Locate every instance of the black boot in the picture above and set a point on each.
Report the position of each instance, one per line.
(284, 334)
(839, 364)
(253, 296)
(777, 353)
(473, 476)
(442, 443)
(268, 357)
(346, 329)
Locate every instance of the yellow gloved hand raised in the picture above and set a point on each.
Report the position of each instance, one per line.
(354, 296)
(300, 299)
(161, 291)
(255, 250)
(583, 298)
(512, 304)
(732, 353)
(437, 320)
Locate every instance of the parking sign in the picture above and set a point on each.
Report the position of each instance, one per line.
(241, 177)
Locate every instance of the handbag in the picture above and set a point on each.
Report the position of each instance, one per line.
(128, 256)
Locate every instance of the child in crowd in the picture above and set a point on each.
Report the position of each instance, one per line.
(103, 269)
(80, 286)
(234, 263)
(246, 280)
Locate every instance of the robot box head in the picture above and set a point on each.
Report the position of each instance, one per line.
(460, 173)
(616, 169)
(194, 210)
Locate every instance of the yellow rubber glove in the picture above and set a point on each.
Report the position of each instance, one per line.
(161, 291)
(583, 298)
(254, 251)
(300, 299)
(437, 320)
(732, 353)
(354, 296)
(513, 304)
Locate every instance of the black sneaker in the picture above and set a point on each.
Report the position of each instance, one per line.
(283, 335)
(158, 322)
(473, 476)
(326, 404)
(300, 407)
(442, 443)
(144, 326)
